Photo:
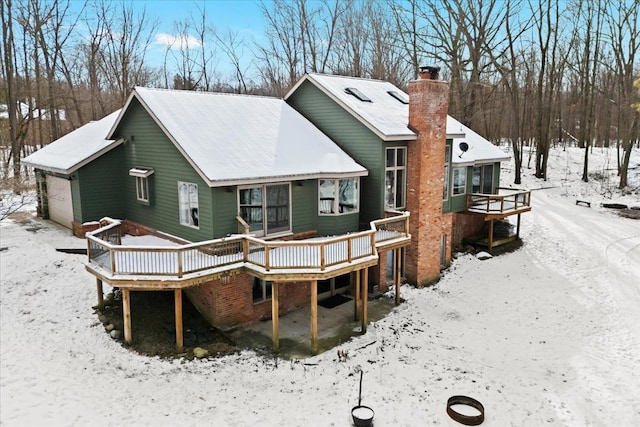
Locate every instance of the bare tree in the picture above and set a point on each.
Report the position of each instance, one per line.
(8, 69)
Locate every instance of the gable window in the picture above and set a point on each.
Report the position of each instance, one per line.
(266, 208)
(459, 181)
(142, 182)
(395, 178)
(188, 203)
(338, 196)
(447, 163)
(483, 179)
(261, 290)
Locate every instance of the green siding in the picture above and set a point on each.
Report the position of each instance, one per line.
(97, 188)
(354, 138)
(146, 145)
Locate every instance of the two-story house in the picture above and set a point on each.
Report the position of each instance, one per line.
(346, 185)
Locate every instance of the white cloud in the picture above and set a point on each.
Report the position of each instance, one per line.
(179, 41)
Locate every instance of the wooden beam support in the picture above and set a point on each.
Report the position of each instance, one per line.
(398, 253)
(100, 293)
(490, 235)
(518, 227)
(365, 305)
(314, 317)
(275, 318)
(177, 293)
(126, 316)
(356, 299)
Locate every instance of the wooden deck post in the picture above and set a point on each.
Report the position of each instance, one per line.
(314, 317)
(398, 275)
(275, 318)
(126, 316)
(100, 294)
(177, 293)
(356, 297)
(490, 235)
(518, 227)
(365, 305)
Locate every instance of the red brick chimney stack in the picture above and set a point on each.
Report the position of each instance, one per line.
(428, 106)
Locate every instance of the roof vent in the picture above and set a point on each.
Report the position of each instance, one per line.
(355, 92)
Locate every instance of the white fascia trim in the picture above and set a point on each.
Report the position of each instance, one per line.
(268, 180)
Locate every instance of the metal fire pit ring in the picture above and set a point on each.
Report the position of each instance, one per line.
(468, 420)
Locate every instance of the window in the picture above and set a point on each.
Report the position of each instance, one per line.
(142, 189)
(447, 163)
(395, 178)
(261, 289)
(142, 182)
(338, 196)
(459, 181)
(398, 96)
(483, 179)
(355, 92)
(266, 208)
(188, 203)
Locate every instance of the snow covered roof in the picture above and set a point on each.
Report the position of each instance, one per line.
(234, 139)
(387, 115)
(479, 150)
(77, 148)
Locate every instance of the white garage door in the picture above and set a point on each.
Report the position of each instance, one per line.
(59, 198)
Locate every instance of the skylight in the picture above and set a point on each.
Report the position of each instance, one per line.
(355, 92)
(398, 96)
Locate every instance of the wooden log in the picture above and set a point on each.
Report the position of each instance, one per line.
(177, 293)
(275, 318)
(314, 317)
(126, 316)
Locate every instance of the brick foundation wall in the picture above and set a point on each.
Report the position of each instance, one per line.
(428, 105)
(465, 225)
(228, 302)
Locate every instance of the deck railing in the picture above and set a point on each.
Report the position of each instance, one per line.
(106, 250)
(507, 200)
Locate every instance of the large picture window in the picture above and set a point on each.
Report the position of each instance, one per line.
(459, 181)
(266, 208)
(188, 204)
(338, 196)
(395, 178)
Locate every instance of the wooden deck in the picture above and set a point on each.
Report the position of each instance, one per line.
(508, 201)
(180, 266)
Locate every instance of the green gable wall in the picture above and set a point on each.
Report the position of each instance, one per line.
(146, 145)
(354, 138)
(97, 188)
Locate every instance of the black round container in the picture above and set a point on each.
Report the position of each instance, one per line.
(362, 416)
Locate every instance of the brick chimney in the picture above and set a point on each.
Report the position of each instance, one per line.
(429, 227)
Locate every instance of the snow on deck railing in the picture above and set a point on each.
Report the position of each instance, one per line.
(508, 199)
(106, 250)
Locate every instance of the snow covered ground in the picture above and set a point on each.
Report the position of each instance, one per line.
(547, 335)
